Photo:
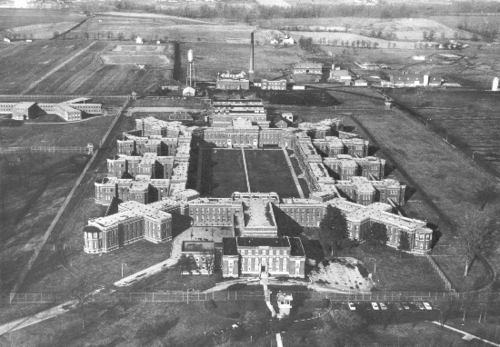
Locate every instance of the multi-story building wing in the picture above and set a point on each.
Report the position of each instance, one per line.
(249, 256)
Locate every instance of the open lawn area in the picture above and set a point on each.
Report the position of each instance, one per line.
(33, 187)
(117, 322)
(269, 172)
(36, 24)
(470, 118)
(395, 272)
(75, 67)
(445, 179)
(56, 270)
(222, 173)
(62, 134)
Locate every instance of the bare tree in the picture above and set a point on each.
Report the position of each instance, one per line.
(486, 195)
(477, 234)
(82, 292)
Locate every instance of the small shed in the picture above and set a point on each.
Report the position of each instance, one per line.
(139, 40)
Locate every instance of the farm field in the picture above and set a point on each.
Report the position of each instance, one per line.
(442, 175)
(63, 134)
(222, 173)
(15, 18)
(85, 74)
(470, 118)
(23, 63)
(166, 29)
(269, 172)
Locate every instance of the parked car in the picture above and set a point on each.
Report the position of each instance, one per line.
(420, 306)
(375, 306)
(399, 307)
(427, 306)
(406, 306)
(382, 306)
(351, 306)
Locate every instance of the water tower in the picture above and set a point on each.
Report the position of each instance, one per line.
(494, 86)
(190, 74)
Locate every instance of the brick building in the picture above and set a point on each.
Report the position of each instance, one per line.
(150, 167)
(250, 256)
(203, 255)
(308, 68)
(134, 221)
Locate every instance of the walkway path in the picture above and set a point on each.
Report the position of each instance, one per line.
(246, 171)
(175, 254)
(267, 294)
(294, 174)
(37, 318)
(466, 334)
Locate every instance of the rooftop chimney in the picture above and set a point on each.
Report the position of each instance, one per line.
(251, 70)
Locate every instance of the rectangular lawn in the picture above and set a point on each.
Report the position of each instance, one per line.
(222, 172)
(268, 172)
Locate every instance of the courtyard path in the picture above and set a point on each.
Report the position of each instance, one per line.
(246, 171)
(294, 174)
(175, 254)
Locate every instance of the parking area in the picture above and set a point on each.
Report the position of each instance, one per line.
(404, 311)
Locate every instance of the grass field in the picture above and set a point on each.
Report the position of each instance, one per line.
(222, 173)
(86, 74)
(33, 188)
(469, 116)
(445, 176)
(270, 61)
(269, 172)
(120, 323)
(19, 18)
(64, 134)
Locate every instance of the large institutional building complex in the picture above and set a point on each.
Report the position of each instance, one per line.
(148, 178)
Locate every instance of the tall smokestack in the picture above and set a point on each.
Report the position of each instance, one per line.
(251, 71)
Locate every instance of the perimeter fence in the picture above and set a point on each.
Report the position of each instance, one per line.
(48, 149)
(197, 296)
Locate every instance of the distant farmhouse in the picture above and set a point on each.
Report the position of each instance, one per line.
(70, 110)
(413, 80)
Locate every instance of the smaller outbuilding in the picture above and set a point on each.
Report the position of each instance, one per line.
(203, 254)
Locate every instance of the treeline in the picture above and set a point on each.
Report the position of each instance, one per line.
(488, 32)
(258, 12)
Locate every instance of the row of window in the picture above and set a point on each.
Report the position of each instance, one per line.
(264, 252)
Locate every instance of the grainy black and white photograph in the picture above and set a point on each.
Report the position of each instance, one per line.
(249, 173)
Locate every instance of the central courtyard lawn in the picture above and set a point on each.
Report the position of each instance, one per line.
(269, 172)
(222, 173)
